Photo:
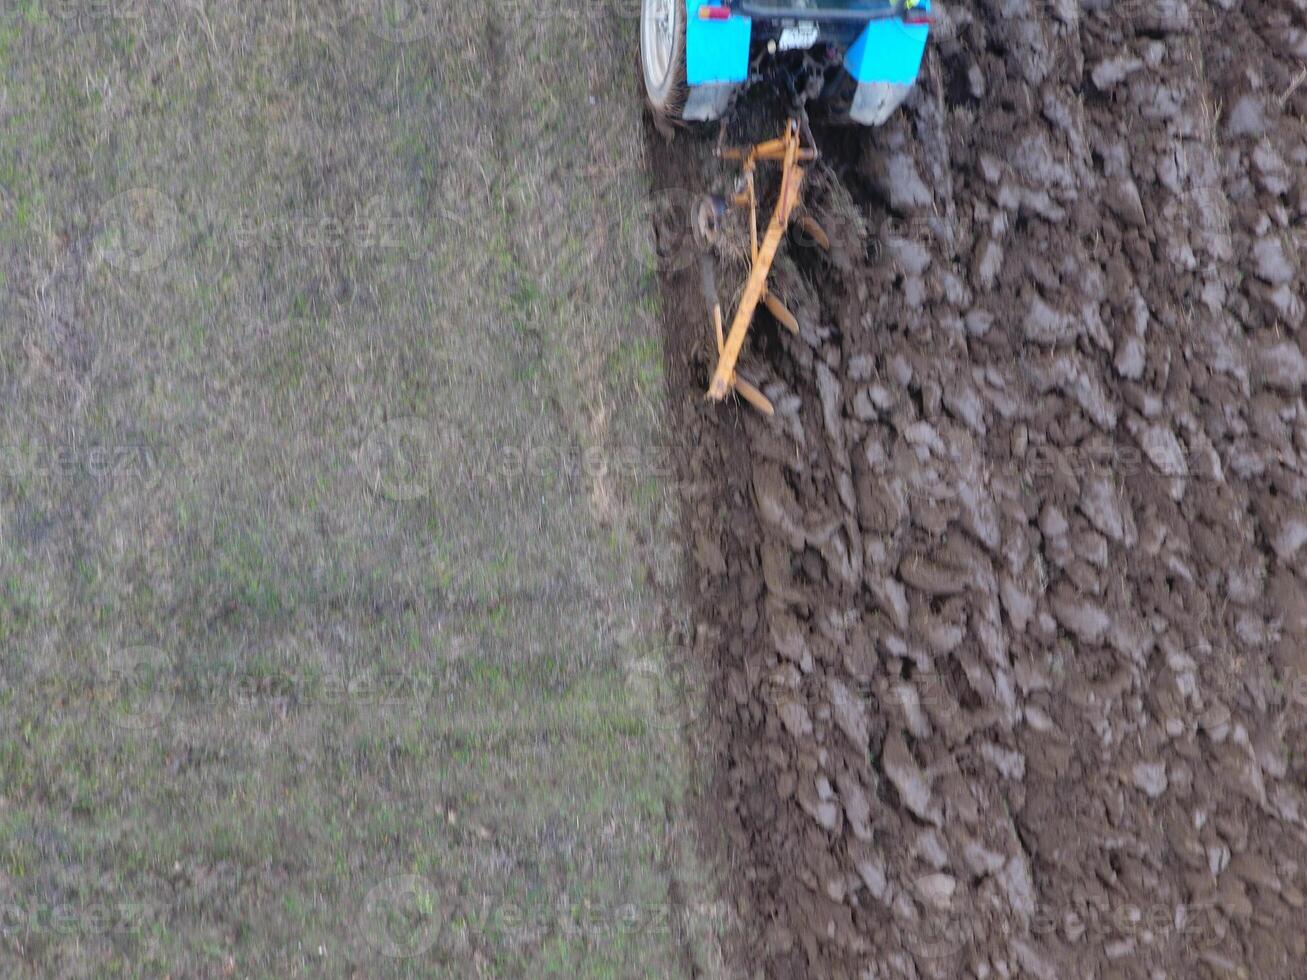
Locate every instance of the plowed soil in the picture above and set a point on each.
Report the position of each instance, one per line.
(1006, 607)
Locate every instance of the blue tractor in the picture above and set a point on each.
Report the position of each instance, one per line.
(855, 60)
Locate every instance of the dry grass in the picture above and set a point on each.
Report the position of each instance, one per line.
(330, 528)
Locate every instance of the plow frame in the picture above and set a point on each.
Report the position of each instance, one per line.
(791, 153)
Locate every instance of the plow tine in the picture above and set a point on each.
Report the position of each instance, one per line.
(783, 316)
(753, 396)
(815, 231)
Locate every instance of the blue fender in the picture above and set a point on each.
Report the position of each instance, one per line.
(885, 62)
(889, 51)
(716, 51)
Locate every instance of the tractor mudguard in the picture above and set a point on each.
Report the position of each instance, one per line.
(716, 50)
(885, 62)
(716, 61)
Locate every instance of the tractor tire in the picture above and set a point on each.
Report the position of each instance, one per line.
(662, 55)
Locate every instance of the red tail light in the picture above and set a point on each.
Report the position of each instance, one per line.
(917, 18)
(714, 12)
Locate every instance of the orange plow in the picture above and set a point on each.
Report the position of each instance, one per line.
(791, 154)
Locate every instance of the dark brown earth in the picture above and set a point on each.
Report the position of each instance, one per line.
(1006, 608)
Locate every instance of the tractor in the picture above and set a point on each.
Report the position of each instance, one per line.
(855, 61)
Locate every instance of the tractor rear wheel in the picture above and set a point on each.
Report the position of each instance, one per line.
(662, 55)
